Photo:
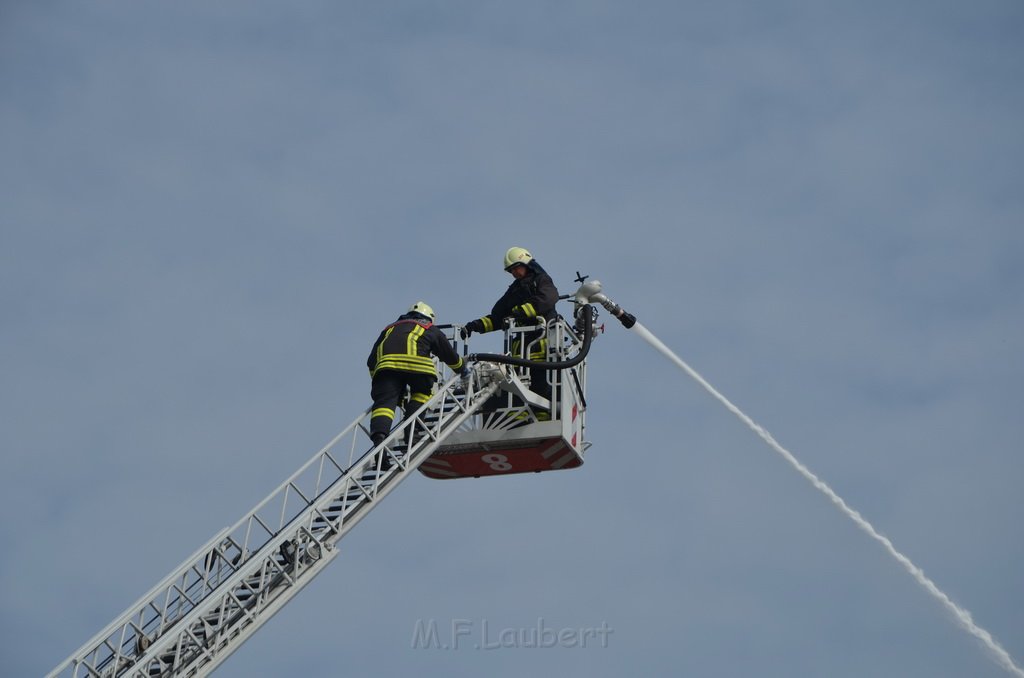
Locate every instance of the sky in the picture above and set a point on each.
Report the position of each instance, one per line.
(210, 210)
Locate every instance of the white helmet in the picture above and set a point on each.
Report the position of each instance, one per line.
(423, 308)
(517, 255)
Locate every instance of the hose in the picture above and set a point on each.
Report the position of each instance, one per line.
(588, 333)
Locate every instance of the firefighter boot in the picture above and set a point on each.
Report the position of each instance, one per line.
(377, 439)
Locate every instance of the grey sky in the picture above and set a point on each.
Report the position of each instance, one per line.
(210, 209)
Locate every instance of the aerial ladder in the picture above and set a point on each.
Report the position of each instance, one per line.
(489, 424)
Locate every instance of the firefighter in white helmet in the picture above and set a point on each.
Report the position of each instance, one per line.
(401, 357)
(529, 300)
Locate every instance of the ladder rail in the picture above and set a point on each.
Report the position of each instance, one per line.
(407, 465)
(213, 601)
(165, 589)
(125, 619)
(249, 555)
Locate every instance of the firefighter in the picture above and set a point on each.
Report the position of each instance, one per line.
(529, 300)
(401, 357)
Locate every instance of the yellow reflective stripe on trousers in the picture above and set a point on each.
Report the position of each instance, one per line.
(542, 350)
(419, 397)
(528, 310)
(539, 352)
(488, 324)
(383, 412)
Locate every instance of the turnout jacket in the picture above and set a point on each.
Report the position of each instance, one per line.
(407, 344)
(526, 299)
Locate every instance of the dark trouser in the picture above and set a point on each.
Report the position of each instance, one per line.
(538, 351)
(388, 388)
(539, 382)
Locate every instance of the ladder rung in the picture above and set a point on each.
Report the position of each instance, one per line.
(260, 574)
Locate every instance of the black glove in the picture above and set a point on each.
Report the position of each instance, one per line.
(471, 327)
(466, 376)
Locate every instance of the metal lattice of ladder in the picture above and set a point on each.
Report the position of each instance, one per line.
(196, 617)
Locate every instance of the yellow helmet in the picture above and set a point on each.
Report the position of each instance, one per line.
(423, 308)
(517, 255)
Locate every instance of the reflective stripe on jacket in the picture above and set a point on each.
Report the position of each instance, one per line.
(527, 299)
(407, 345)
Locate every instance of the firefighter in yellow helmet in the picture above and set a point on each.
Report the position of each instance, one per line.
(529, 300)
(401, 357)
